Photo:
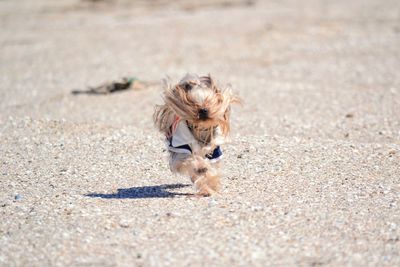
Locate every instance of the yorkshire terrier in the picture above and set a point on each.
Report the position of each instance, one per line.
(195, 121)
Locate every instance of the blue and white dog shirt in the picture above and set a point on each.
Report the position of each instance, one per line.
(181, 140)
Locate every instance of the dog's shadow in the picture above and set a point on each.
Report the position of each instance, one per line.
(156, 191)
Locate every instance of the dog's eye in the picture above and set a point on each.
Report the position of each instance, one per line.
(187, 87)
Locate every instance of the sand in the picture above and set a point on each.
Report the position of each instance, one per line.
(311, 175)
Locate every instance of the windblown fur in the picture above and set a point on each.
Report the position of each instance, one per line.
(205, 108)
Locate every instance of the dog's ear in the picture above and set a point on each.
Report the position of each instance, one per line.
(232, 98)
(210, 83)
(162, 118)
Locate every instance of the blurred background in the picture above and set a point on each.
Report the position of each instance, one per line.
(290, 60)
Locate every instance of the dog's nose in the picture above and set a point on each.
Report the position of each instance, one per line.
(203, 113)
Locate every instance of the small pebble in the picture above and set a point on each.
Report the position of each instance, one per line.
(124, 224)
(256, 208)
(212, 203)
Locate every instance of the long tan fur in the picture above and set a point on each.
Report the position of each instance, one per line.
(178, 102)
(184, 100)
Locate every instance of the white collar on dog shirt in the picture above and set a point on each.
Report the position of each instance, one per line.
(182, 135)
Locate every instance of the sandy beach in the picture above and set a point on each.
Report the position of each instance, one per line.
(312, 171)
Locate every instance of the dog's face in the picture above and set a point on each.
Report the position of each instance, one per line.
(201, 102)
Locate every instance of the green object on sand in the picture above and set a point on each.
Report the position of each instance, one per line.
(109, 87)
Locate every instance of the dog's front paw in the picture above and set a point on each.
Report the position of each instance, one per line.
(206, 184)
(204, 192)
